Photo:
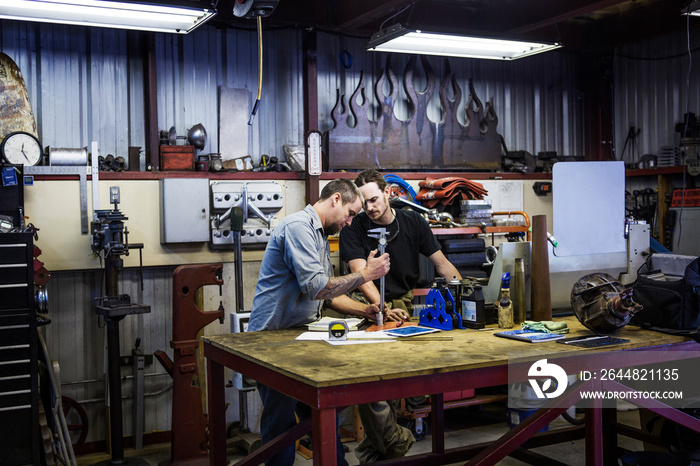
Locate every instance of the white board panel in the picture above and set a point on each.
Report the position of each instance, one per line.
(505, 195)
(589, 207)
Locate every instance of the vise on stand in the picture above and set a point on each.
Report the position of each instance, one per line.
(189, 424)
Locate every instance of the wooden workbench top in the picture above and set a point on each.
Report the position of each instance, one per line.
(320, 364)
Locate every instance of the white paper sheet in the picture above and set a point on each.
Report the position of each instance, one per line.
(354, 338)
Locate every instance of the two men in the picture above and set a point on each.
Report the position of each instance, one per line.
(296, 277)
(408, 235)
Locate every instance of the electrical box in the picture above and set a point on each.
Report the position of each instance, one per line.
(259, 202)
(184, 210)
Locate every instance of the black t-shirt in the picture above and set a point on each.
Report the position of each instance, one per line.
(407, 236)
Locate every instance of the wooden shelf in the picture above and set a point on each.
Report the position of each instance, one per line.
(655, 171)
(158, 175)
(437, 175)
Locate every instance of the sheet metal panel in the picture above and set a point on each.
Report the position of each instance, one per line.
(538, 100)
(86, 84)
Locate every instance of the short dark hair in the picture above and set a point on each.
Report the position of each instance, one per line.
(370, 176)
(347, 189)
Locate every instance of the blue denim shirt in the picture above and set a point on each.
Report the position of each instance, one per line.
(295, 267)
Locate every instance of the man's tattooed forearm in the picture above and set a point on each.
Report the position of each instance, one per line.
(340, 285)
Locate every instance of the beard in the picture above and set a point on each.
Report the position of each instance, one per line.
(377, 214)
(331, 230)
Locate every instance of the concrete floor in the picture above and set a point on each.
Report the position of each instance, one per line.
(463, 426)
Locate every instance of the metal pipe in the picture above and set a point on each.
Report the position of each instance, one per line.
(239, 271)
(115, 392)
(137, 390)
(112, 266)
(541, 297)
(126, 377)
(127, 397)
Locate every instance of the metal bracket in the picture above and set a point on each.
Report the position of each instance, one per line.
(82, 172)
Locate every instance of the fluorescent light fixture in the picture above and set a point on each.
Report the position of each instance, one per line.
(109, 14)
(399, 39)
(693, 9)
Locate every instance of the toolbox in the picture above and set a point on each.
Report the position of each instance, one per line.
(176, 157)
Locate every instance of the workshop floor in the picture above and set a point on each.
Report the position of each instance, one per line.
(463, 426)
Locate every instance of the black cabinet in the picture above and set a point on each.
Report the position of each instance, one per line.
(19, 386)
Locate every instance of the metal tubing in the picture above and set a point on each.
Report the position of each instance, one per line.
(541, 297)
(115, 392)
(324, 436)
(438, 420)
(519, 307)
(239, 271)
(138, 410)
(112, 266)
(217, 418)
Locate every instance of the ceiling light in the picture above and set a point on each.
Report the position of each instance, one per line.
(693, 9)
(103, 13)
(399, 39)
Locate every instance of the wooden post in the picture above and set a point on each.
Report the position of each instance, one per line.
(310, 107)
(150, 94)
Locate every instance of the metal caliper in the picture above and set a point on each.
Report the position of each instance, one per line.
(380, 235)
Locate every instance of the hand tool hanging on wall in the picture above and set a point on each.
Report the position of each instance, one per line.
(189, 445)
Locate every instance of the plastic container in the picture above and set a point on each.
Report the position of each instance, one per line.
(522, 402)
(516, 416)
(473, 314)
(652, 458)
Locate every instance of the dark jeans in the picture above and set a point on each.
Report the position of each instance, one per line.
(278, 417)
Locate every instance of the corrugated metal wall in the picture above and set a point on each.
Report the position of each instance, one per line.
(87, 84)
(76, 339)
(653, 91)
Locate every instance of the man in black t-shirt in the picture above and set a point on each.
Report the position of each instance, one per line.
(408, 235)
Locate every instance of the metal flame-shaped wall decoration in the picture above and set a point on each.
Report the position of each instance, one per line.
(356, 142)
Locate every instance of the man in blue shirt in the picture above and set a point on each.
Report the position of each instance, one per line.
(296, 277)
